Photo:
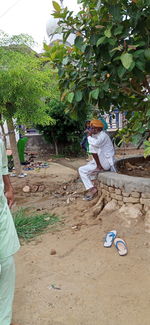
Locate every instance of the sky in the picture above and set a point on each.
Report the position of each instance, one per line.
(29, 17)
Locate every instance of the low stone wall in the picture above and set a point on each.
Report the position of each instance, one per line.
(124, 189)
(127, 198)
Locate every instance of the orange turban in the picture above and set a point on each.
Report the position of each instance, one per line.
(96, 124)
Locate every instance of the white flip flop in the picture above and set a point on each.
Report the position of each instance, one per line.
(121, 246)
(111, 235)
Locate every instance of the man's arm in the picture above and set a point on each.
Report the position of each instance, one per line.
(8, 189)
(97, 142)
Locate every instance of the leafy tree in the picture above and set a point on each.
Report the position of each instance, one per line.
(109, 63)
(24, 87)
(65, 133)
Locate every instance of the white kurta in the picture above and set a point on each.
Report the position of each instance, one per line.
(9, 245)
(102, 145)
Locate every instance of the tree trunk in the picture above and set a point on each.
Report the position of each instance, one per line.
(55, 143)
(56, 148)
(13, 145)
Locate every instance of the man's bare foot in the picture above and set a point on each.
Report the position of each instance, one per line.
(93, 190)
(91, 194)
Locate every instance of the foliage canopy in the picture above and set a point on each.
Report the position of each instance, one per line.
(109, 62)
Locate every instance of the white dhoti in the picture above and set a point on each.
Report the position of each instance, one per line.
(87, 170)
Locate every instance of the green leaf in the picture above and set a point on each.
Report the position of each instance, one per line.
(107, 33)
(78, 95)
(56, 6)
(100, 40)
(126, 60)
(140, 65)
(146, 152)
(132, 66)
(79, 42)
(147, 143)
(115, 10)
(121, 71)
(138, 53)
(94, 93)
(65, 60)
(116, 58)
(61, 72)
(118, 30)
(70, 97)
(148, 112)
(136, 138)
(106, 86)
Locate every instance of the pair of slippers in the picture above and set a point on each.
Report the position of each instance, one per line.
(119, 243)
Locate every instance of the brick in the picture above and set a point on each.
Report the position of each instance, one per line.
(108, 198)
(131, 199)
(105, 187)
(118, 191)
(116, 197)
(120, 203)
(145, 195)
(105, 192)
(135, 194)
(145, 202)
(135, 205)
(111, 189)
(125, 194)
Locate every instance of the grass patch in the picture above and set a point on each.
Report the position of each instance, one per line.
(30, 226)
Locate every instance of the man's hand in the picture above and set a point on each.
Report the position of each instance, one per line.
(90, 132)
(10, 197)
(8, 190)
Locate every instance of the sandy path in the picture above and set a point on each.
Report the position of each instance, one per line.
(97, 286)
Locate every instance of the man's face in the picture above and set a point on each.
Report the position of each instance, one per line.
(95, 130)
(88, 124)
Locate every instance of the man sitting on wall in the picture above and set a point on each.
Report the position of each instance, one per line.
(101, 147)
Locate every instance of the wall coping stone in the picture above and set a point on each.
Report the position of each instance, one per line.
(125, 182)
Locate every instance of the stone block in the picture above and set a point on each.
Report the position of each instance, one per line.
(116, 197)
(125, 194)
(118, 191)
(120, 203)
(145, 195)
(145, 202)
(131, 212)
(131, 199)
(111, 206)
(136, 205)
(105, 192)
(135, 194)
(105, 187)
(111, 189)
(108, 198)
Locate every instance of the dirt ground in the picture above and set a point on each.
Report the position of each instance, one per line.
(83, 283)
